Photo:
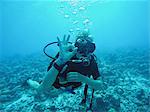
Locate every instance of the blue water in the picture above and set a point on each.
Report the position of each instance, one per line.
(32, 24)
(120, 29)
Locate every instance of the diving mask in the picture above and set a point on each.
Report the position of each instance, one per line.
(85, 46)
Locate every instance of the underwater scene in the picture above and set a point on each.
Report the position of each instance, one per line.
(74, 56)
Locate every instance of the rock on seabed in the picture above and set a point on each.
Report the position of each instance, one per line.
(124, 73)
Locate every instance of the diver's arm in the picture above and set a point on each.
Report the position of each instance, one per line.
(77, 77)
(94, 84)
(65, 54)
(48, 80)
(50, 77)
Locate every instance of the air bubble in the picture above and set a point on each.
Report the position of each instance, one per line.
(81, 8)
(74, 13)
(86, 30)
(86, 21)
(71, 30)
(90, 36)
(75, 22)
(66, 16)
(77, 29)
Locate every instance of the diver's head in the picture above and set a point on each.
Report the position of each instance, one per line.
(84, 43)
(84, 35)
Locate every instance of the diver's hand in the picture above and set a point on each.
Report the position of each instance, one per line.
(67, 51)
(75, 77)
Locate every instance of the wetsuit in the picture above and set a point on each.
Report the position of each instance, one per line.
(91, 69)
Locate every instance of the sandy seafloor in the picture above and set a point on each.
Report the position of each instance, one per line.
(124, 72)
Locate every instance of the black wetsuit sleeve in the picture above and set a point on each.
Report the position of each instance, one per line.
(95, 70)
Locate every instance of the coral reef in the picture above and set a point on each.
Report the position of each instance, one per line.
(125, 74)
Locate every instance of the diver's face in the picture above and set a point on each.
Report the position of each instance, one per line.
(81, 45)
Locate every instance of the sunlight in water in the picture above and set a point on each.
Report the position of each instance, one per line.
(75, 11)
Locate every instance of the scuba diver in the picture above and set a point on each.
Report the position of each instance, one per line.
(72, 66)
